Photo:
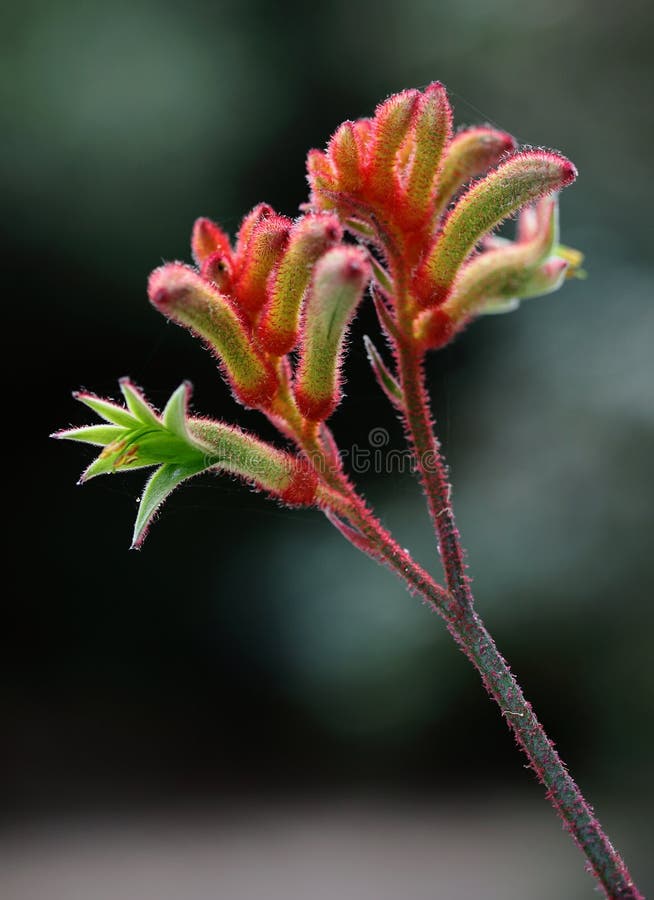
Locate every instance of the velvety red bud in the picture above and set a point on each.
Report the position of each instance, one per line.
(256, 261)
(322, 179)
(430, 132)
(343, 152)
(471, 153)
(182, 295)
(391, 123)
(208, 238)
(363, 131)
(338, 282)
(250, 221)
(279, 324)
(522, 179)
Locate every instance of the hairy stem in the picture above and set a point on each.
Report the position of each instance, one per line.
(432, 471)
(470, 633)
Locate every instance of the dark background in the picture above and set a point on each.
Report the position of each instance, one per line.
(248, 659)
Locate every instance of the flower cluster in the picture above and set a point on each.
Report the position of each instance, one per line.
(284, 283)
(404, 184)
(397, 200)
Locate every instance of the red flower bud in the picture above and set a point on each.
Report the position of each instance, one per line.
(208, 238)
(429, 134)
(343, 151)
(339, 280)
(256, 259)
(390, 127)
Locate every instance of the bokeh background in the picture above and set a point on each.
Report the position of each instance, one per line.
(248, 708)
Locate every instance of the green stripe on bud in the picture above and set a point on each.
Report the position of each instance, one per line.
(339, 280)
(391, 123)
(497, 280)
(259, 257)
(183, 296)
(280, 322)
(343, 150)
(430, 131)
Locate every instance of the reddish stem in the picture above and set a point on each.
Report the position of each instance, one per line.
(433, 471)
(470, 633)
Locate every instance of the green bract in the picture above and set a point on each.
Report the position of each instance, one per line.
(136, 436)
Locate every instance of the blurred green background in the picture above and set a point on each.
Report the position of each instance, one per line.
(247, 651)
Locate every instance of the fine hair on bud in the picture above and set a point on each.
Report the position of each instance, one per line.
(338, 282)
(309, 238)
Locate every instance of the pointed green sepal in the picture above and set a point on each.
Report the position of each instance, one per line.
(381, 276)
(142, 439)
(175, 411)
(106, 409)
(98, 435)
(159, 486)
(137, 404)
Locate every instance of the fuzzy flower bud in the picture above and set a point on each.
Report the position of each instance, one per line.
(429, 134)
(309, 238)
(208, 238)
(259, 256)
(249, 223)
(182, 295)
(391, 124)
(345, 156)
(339, 280)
